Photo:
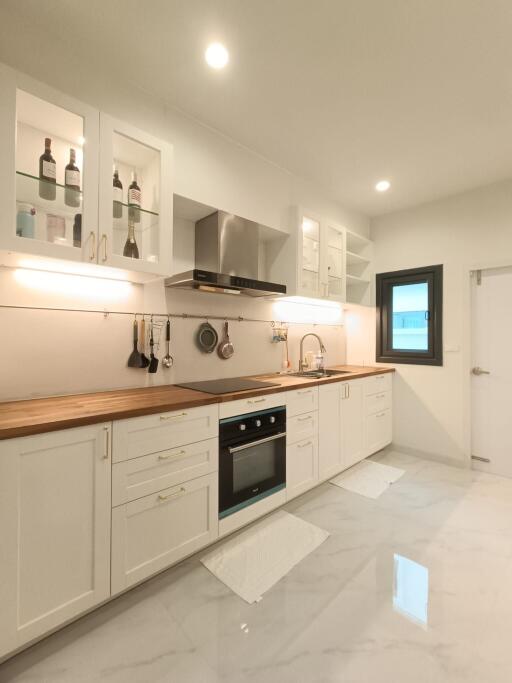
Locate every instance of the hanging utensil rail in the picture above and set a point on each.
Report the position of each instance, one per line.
(183, 316)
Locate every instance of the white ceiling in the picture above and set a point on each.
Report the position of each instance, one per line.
(341, 92)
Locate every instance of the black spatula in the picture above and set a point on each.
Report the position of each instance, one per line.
(153, 360)
(134, 360)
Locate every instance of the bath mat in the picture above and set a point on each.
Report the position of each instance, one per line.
(368, 478)
(259, 557)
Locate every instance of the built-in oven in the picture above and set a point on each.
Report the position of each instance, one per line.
(252, 458)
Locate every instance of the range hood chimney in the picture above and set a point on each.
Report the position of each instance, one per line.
(227, 258)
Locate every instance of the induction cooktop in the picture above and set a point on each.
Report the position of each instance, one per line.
(226, 386)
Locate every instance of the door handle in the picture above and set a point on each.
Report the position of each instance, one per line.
(478, 371)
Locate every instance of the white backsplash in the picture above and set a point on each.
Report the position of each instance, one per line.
(48, 353)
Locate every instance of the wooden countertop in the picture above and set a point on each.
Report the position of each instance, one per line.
(36, 416)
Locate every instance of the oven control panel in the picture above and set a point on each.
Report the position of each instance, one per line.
(246, 426)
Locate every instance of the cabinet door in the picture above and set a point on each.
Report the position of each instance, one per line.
(330, 450)
(151, 533)
(352, 421)
(55, 530)
(46, 218)
(301, 467)
(378, 431)
(309, 258)
(334, 262)
(135, 236)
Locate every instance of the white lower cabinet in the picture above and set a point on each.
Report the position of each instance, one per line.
(54, 530)
(301, 466)
(330, 454)
(153, 532)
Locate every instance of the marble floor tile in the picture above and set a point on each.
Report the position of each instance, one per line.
(413, 586)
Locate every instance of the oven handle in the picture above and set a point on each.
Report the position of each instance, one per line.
(256, 443)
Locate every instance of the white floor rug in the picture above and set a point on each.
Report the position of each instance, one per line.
(368, 478)
(256, 559)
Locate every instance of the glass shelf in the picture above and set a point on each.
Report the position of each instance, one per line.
(49, 220)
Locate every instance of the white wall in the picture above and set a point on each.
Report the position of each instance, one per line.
(48, 353)
(471, 229)
(69, 352)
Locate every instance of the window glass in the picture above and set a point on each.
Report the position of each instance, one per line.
(410, 317)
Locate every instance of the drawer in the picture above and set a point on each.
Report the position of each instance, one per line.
(301, 427)
(377, 384)
(151, 473)
(301, 467)
(151, 533)
(301, 401)
(377, 402)
(378, 431)
(251, 405)
(139, 436)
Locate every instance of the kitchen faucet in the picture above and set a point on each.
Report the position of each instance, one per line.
(301, 352)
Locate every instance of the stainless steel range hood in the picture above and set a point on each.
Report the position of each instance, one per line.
(226, 258)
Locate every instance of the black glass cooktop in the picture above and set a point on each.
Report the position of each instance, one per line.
(226, 386)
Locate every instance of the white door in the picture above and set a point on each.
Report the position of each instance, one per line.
(55, 529)
(491, 378)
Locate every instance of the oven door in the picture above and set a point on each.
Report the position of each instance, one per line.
(251, 471)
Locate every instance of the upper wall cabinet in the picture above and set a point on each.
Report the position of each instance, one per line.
(323, 260)
(57, 182)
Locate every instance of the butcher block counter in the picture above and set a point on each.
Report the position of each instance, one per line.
(36, 416)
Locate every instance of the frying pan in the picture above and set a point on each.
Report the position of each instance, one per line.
(226, 349)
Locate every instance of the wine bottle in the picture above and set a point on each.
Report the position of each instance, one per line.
(72, 181)
(47, 173)
(134, 199)
(117, 191)
(130, 248)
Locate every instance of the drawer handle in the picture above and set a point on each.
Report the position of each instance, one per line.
(172, 417)
(303, 445)
(381, 396)
(171, 495)
(304, 391)
(380, 414)
(171, 455)
(258, 400)
(303, 419)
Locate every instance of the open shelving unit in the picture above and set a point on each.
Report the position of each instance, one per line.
(359, 269)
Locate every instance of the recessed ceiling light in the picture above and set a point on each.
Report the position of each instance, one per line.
(216, 56)
(383, 186)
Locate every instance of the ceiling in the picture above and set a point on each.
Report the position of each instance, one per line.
(341, 92)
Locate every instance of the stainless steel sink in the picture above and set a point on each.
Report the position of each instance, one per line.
(318, 374)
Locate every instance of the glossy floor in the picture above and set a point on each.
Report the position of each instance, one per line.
(415, 586)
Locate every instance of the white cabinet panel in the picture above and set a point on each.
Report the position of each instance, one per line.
(330, 446)
(139, 436)
(378, 383)
(376, 403)
(301, 401)
(251, 405)
(352, 421)
(301, 467)
(378, 431)
(55, 529)
(151, 533)
(301, 427)
(139, 477)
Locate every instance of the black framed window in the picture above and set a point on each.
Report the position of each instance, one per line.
(410, 316)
